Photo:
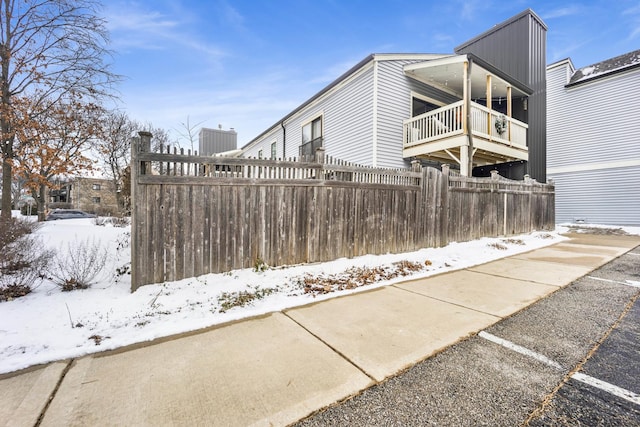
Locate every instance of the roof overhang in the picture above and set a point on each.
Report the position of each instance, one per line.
(447, 74)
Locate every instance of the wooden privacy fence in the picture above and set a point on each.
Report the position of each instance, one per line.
(194, 215)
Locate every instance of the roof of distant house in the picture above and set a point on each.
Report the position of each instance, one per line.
(605, 68)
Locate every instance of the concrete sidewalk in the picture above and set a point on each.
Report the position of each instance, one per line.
(279, 368)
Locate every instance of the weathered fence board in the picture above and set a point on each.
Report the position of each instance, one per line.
(195, 215)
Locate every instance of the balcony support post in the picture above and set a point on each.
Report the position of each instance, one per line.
(465, 161)
(509, 112)
(489, 103)
(466, 151)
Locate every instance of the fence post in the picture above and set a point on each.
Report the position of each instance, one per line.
(145, 147)
(139, 144)
(444, 207)
(529, 183)
(320, 160)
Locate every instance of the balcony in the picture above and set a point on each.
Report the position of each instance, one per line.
(484, 136)
(439, 133)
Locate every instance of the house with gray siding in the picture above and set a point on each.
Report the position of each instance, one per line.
(593, 138)
(460, 108)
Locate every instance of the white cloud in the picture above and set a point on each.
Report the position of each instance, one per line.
(250, 105)
(565, 51)
(231, 16)
(632, 10)
(562, 12)
(468, 9)
(334, 71)
(143, 28)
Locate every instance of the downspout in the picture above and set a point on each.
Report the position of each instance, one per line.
(284, 139)
(467, 102)
(374, 130)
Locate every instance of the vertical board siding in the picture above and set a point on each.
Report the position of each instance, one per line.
(186, 226)
(518, 47)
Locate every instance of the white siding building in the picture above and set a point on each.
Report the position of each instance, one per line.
(391, 109)
(593, 140)
(347, 115)
(460, 109)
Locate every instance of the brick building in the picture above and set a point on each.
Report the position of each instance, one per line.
(92, 195)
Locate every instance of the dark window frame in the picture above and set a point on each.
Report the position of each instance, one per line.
(315, 138)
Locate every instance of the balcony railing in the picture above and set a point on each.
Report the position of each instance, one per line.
(447, 122)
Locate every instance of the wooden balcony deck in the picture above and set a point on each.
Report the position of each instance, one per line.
(440, 133)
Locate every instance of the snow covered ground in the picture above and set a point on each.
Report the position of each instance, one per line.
(50, 324)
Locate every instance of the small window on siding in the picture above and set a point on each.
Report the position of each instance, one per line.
(273, 150)
(260, 155)
(311, 137)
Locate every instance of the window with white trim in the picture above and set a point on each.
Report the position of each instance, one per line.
(274, 148)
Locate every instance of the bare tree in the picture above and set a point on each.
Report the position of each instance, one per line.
(161, 138)
(113, 148)
(48, 49)
(53, 145)
(188, 132)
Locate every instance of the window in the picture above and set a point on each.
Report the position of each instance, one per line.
(95, 199)
(421, 104)
(311, 137)
(96, 186)
(260, 154)
(273, 150)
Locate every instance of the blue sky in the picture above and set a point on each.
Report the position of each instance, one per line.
(246, 63)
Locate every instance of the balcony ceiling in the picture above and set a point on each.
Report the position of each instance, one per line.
(447, 75)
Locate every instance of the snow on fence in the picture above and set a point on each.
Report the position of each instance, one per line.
(194, 215)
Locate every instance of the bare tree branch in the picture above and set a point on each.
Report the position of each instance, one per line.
(188, 132)
(50, 51)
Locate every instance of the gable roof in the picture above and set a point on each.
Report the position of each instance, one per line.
(340, 79)
(606, 68)
(501, 25)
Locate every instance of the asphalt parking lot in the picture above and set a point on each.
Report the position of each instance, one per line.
(572, 358)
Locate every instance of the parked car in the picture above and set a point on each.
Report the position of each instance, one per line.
(68, 214)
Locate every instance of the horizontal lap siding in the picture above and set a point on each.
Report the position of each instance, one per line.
(264, 144)
(591, 127)
(592, 123)
(602, 197)
(348, 121)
